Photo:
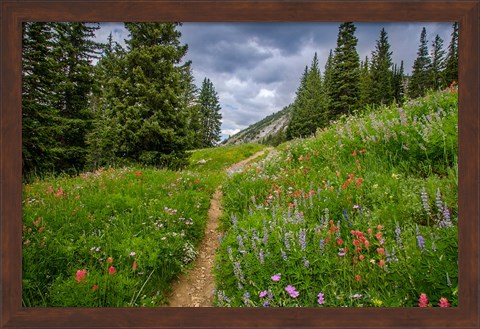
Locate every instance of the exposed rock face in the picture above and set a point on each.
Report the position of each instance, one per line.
(261, 130)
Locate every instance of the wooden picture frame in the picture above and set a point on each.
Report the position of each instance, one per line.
(14, 12)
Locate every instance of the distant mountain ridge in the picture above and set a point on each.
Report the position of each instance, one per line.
(270, 130)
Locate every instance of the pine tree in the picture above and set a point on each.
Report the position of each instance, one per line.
(365, 83)
(344, 92)
(421, 81)
(381, 73)
(40, 76)
(327, 78)
(451, 67)
(398, 83)
(146, 111)
(109, 78)
(210, 117)
(75, 50)
(309, 108)
(438, 63)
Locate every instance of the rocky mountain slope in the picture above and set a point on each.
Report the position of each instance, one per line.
(266, 131)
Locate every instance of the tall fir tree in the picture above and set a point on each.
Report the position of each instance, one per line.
(398, 83)
(420, 80)
(344, 92)
(40, 77)
(366, 83)
(209, 133)
(451, 66)
(109, 77)
(309, 108)
(438, 63)
(146, 114)
(381, 73)
(75, 50)
(327, 78)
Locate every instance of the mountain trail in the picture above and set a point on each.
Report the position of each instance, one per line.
(195, 288)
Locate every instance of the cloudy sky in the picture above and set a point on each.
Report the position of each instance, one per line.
(256, 67)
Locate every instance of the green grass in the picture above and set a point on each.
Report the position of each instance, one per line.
(106, 221)
(388, 177)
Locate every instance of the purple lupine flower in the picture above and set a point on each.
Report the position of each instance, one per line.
(286, 240)
(421, 242)
(302, 236)
(234, 221)
(438, 200)
(241, 246)
(237, 271)
(398, 238)
(424, 197)
(246, 298)
(306, 263)
(291, 291)
(321, 299)
(261, 256)
(284, 255)
(322, 244)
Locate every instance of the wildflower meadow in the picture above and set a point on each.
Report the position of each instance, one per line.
(117, 236)
(362, 215)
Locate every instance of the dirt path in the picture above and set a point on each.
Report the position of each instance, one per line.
(195, 288)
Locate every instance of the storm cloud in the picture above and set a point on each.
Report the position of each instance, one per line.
(256, 67)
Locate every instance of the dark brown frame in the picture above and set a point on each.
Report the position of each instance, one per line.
(14, 12)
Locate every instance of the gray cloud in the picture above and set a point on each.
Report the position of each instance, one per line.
(256, 67)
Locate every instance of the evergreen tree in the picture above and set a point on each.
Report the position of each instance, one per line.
(209, 133)
(438, 63)
(381, 73)
(109, 78)
(344, 92)
(75, 50)
(421, 81)
(309, 108)
(146, 111)
(398, 83)
(40, 76)
(365, 83)
(451, 67)
(327, 78)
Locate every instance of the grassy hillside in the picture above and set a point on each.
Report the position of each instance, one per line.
(117, 237)
(364, 214)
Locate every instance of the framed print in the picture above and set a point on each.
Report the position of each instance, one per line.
(16, 308)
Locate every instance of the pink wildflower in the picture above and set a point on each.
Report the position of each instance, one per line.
(80, 276)
(291, 291)
(443, 302)
(423, 301)
(112, 270)
(276, 277)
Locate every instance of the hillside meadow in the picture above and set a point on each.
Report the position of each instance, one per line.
(117, 236)
(363, 214)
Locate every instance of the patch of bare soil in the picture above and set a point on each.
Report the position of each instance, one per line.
(195, 288)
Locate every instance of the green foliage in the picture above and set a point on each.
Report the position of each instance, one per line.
(387, 177)
(208, 116)
(144, 109)
(309, 110)
(438, 63)
(421, 81)
(344, 91)
(149, 221)
(451, 66)
(381, 88)
(58, 78)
